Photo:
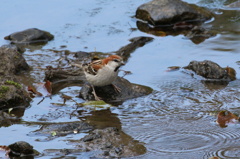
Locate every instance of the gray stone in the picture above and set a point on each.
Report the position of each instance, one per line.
(30, 36)
(165, 12)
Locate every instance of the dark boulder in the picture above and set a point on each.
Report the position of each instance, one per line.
(110, 95)
(168, 12)
(21, 148)
(30, 36)
(11, 91)
(12, 62)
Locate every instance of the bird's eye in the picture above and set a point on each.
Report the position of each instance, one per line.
(116, 60)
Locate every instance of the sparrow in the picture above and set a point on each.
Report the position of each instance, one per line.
(103, 72)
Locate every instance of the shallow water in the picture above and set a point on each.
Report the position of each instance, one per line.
(176, 121)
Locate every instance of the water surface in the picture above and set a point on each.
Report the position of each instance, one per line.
(176, 121)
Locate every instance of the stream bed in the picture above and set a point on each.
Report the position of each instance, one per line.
(177, 120)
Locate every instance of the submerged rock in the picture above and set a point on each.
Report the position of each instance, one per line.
(109, 94)
(30, 36)
(111, 143)
(62, 129)
(168, 12)
(211, 70)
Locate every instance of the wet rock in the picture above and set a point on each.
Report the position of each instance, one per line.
(62, 129)
(21, 148)
(111, 143)
(211, 70)
(30, 36)
(109, 94)
(63, 77)
(12, 62)
(11, 91)
(60, 152)
(168, 12)
(11, 116)
(5, 119)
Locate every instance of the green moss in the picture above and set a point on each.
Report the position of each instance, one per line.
(13, 83)
(3, 90)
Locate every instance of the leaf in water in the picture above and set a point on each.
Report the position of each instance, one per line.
(225, 117)
(4, 151)
(48, 86)
(33, 92)
(58, 104)
(53, 133)
(159, 33)
(173, 68)
(41, 89)
(65, 98)
(97, 104)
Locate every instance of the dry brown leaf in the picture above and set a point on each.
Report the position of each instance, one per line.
(226, 117)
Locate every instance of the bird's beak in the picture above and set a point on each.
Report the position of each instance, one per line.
(122, 63)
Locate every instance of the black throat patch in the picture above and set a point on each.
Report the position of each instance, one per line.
(116, 69)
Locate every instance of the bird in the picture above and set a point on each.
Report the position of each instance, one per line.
(102, 72)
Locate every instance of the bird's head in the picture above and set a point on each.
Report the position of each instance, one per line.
(114, 61)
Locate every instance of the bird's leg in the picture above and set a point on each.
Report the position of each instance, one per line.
(94, 93)
(116, 88)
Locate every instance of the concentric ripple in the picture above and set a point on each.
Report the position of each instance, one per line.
(181, 142)
(185, 137)
(229, 152)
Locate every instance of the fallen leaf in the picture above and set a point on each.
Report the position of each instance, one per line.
(96, 104)
(158, 33)
(225, 117)
(33, 92)
(4, 151)
(173, 68)
(53, 133)
(41, 89)
(48, 86)
(58, 104)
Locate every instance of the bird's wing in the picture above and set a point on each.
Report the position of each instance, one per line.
(93, 67)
